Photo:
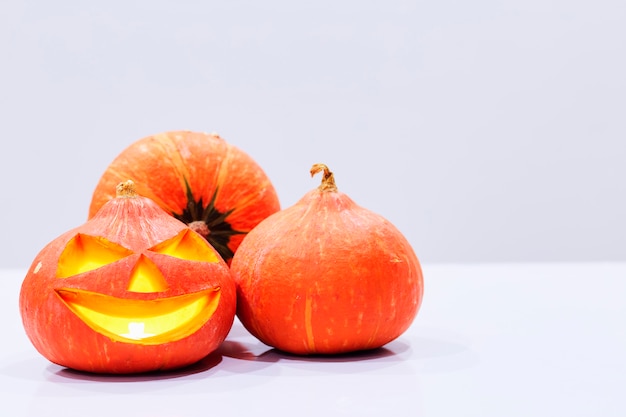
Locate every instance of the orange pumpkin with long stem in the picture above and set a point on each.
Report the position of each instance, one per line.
(200, 179)
(326, 276)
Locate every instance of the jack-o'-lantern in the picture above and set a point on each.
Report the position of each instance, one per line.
(131, 290)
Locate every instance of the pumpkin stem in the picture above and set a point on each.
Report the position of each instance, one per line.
(126, 189)
(328, 180)
(200, 227)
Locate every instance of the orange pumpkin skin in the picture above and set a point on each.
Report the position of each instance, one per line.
(134, 264)
(326, 276)
(200, 179)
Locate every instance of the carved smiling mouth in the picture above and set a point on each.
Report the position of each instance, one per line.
(145, 322)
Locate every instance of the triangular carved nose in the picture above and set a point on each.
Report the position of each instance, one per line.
(146, 277)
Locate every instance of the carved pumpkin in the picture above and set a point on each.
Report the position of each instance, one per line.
(326, 276)
(200, 179)
(131, 290)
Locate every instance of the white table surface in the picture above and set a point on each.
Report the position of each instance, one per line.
(490, 340)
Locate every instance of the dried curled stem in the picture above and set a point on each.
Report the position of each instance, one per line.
(126, 189)
(328, 180)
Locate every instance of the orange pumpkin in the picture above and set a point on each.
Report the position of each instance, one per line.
(131, 290)
(326, 276)
(200, 179)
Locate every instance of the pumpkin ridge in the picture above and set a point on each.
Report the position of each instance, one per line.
(177, 158)
(164, 144)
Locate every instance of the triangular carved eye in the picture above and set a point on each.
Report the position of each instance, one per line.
(85, 253)
(189, 246)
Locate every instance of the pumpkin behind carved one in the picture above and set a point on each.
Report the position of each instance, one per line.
(131, 290)
(199, 178)
(326, 276)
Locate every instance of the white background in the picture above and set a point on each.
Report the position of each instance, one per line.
(543, 343)
(485, 130)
